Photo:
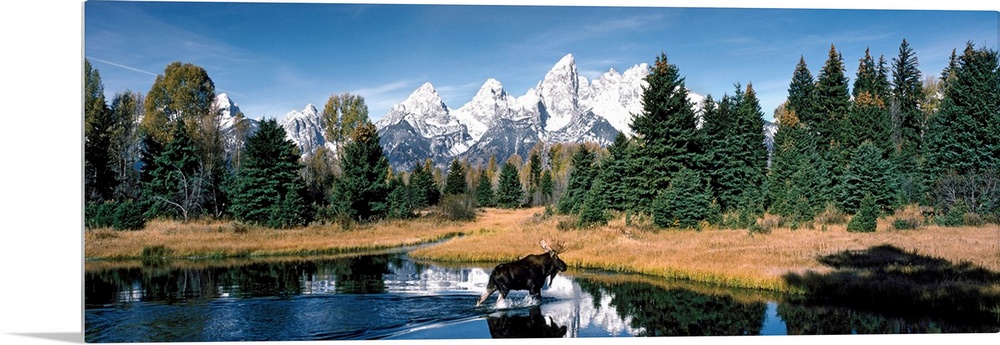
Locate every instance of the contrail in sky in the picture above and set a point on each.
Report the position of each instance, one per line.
(122, 66)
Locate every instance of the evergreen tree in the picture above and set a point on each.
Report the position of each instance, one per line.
(509, 190)
(400, 199)
(870, 173)
(268, 189)
(616, 176)
(580, 179)
(484, 191)
(592, 211)
(99, 177)
(666, 132)
(868, 120)
(547, 185)
(126, 111)
(832, 102)
(176, 187)
(871, 78)
(425, 190)
(907, 123)
(361, 191)
(455, 182)
(801, 92)
(798, 183)
(736, 145)
(685, 203)
(534, 173)
(866, 219)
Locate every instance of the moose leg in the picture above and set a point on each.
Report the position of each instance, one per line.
(486, 294)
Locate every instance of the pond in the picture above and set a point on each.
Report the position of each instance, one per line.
(391, 296)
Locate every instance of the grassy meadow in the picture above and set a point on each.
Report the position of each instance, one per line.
(734, 258)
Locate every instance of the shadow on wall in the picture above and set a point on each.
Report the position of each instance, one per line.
(890, 281)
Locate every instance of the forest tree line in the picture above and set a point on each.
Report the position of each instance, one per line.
(893, 139)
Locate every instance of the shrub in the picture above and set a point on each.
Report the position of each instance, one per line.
(866, 220)
(908, 218)
(157, 255)
(458, 207)
(767, 223)
(99, 215)
(972, 219)
(954, 217)
(128, 215)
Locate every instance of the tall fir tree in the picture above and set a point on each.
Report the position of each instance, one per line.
(802, 92)
(547, 186)
(666, 131)
(268, 189)
(99, 177)
(425, 189)
(510, 193)
(360, 192)
(176, 188)
(870, 172)
(907, 123)
(580, 178)
(736, 145)
(685, 203)
(484, 190)
(964, 136)
(832, 102)
(594, 206)
(615, 174)
(455, 182)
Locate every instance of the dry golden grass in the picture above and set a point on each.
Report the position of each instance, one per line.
(725, 257)
(218, 239)
(733, 258)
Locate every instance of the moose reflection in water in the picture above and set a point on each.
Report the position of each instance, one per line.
(528, 273)
(514, 324)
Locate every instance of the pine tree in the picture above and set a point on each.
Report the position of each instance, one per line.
(798, 182)
(509, 190)
(580, 178)
(268, 189)
(175, 188)
(685, 203)
(666, 132)
(425, 190)
(593, 209)
(868, 120)
(534, 173)
(870, 173)
(832, 102)
(399, 199)
(99, 177)
(866, 219)
(801, 92)
(615, 174)
(907, 122)
(361, 190)
(455, 182)
(547, 185)
(736, 145)
(484, 191)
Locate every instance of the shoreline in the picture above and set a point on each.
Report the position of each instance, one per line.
(731, 258)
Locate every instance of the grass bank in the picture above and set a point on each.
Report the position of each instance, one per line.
(733, 258)
(724, 257)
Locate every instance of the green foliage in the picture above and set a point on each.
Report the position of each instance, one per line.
(124, 148)
(183, 92)
(425, 190)
(175, 188)
(580, 180)
(547, 185)
(509, 191)
(799, 182)
(954, 217)
(667, 137)
(129, 215)
(869, 173)
(801, 91)
(400, 199)
(268, 189)
(685, 203)
(361, 190)
(832, 102)
(738, 162)
(484, 191)
(455, 182)
(866, 219)
(99, 178)
(616, 175)
(592, 212)
(341, 115)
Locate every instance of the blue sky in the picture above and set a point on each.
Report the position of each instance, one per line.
(275, 57)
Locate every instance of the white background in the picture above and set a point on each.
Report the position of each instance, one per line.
(41, 288)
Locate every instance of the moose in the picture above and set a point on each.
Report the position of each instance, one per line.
(528, 273)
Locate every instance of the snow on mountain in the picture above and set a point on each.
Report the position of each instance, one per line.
(559, 92)
(305, 128)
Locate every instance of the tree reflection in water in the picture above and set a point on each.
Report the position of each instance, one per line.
(656, 311)
(514, 324)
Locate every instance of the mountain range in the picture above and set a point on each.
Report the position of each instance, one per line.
(564, 107)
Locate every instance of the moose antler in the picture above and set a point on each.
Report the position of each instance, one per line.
(553, 246)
